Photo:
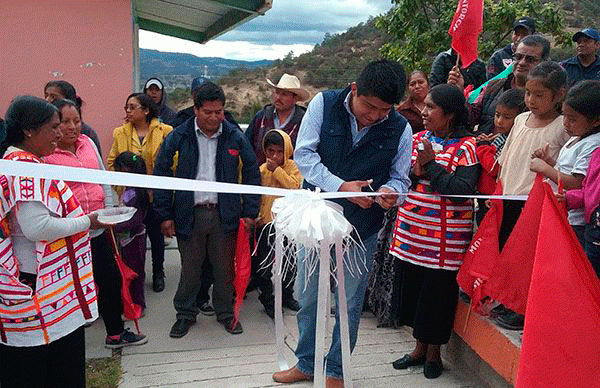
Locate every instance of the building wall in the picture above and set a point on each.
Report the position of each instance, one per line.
(85, 42)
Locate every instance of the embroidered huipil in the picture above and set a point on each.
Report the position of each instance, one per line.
(65, 296)
(433, 231)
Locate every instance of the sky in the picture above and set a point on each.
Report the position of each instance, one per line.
(290, 25)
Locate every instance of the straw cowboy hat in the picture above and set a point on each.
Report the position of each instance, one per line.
(291, 83)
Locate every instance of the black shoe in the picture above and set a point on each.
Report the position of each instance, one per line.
(510, 320)
(127, 338)
(158, 282)
(228, 323)
(406, 361)
(270, 311)
(291, 304)
(181, 327)
(433, 369)
(207, 309)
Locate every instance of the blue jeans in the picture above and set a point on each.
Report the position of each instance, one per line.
(307, 316)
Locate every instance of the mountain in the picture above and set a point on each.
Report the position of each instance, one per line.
(177, 70)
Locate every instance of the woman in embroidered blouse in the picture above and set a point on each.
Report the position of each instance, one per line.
(47, 290)
(432, 232)
(143, 133)
(77, 150)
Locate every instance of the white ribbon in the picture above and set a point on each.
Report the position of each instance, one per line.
(307, 221)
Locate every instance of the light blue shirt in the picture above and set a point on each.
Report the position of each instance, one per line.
(207, 165)
(309, 162)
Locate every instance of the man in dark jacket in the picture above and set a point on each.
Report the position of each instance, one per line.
(503, 58)
(209, 149)
(349, 140)
(446, 60)
(156, 90)
(284, 113)
(586, 64)
(532, 50)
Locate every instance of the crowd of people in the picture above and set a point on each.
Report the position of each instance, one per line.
(527, 115)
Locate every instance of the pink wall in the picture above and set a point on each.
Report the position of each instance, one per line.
(85, 42)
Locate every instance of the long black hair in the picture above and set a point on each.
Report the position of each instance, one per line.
(452, 101)
(67, 90)
(25, 113)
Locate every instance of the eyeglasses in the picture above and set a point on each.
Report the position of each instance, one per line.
(528, 58)
(129, 108)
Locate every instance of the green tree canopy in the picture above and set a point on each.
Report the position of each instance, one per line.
(419, 28)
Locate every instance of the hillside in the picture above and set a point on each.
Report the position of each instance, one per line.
(177, 70)
(333, 63)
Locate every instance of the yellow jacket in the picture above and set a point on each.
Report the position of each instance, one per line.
(125, 138)
(286, 176)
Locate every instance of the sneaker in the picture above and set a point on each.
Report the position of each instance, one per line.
(158, 281)
(207, 309)
(127, 338)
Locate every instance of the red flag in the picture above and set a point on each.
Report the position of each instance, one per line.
(130, 310)
(561, 340)
(242, 264)
(482, 255)
(509, 281)
(465, 28)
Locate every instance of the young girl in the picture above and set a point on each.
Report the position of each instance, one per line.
(132, 233)
(489, 146)
(544, 90)
(582, 115)
(581, 122)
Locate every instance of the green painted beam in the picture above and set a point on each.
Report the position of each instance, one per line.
(224, 23)
(170, 30)
(242, 5)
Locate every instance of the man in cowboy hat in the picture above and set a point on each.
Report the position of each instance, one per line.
(283, 113)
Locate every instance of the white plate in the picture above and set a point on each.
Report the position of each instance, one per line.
(116, 215)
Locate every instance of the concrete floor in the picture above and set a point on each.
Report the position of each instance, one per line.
(208, 356)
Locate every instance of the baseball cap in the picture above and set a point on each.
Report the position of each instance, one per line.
(589, 32)
(198, 81)
(525, 22)
(153, 81)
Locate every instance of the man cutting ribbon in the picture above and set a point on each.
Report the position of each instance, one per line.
(349, 139)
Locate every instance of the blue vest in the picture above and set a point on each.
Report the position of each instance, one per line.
(370, 159)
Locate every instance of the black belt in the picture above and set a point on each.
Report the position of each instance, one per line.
(207, 205)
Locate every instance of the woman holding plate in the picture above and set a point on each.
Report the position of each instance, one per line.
(77, 150)
(47, 290)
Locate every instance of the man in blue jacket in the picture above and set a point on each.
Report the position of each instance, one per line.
(209, 148)
(586, 64)
(349, 140)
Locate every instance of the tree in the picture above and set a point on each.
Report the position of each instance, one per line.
(419, 28)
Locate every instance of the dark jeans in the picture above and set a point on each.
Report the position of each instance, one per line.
(206, 241)
(108, 282)
(511, 211)
(262, 264)
(59, 364)
(157, 241)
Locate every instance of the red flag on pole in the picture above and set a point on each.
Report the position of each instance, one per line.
(242, 264)
(482, 255)
(465, 28)
(561, 340)
(509, 281)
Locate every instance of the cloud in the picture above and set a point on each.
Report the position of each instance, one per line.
(288, 26)
(288, 22)
(240, 50)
